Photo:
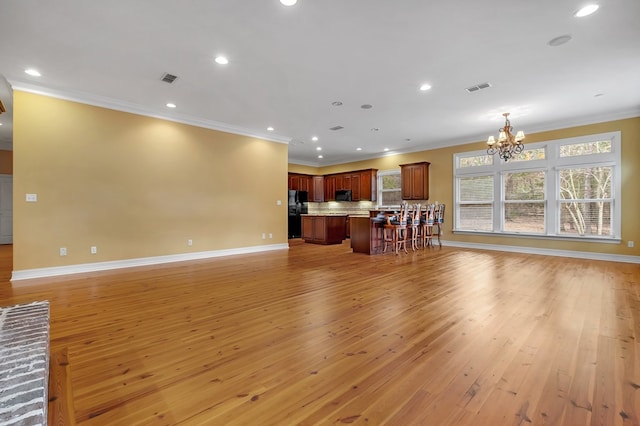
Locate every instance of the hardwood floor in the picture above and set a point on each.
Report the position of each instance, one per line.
(319, 335)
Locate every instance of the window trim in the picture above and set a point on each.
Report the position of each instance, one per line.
(551, 166)
(381, 174)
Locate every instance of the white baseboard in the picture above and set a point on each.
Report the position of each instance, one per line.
(130, 263)
(157, 260)
(546, 252)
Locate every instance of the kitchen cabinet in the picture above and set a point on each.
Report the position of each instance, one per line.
(330, 188)
(324, 229)
(300, 182)
(415, 181)
(368, 184)
(361, 183)
(317, 189)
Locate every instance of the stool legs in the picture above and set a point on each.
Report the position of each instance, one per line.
(395, 237)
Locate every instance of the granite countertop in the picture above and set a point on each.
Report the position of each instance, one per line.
(324, 214)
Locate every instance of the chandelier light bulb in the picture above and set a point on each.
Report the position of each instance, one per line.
(507, 145)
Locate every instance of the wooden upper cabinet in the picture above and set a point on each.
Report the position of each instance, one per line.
(294, 182)
(317, 189)
(330, 188)
(362, 183)
(355, 187)
(300, 182)
(368, 185)
(346, 181)
(415, 181)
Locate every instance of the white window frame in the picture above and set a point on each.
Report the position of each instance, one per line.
(381, 174)
(551, 165)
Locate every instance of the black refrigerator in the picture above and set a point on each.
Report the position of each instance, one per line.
(297, 206)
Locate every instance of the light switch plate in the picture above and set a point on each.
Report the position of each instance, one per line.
(32, 198)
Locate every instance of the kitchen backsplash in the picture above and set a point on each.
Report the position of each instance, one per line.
(343, 207)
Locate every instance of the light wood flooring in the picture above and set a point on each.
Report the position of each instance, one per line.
(319, 335)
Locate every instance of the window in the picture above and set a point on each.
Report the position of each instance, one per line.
(475, 208)
(564, 188)
(389, 188)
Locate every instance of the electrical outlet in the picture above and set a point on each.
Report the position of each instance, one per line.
(264, 236)
(94, 249)
(630, 244)
(270, 235)
(63, 251)
(189, 243)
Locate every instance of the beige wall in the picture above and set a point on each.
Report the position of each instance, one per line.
(441, 185)
(136, 186)
(305, 170)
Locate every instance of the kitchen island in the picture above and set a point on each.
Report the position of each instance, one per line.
(366, 234)
(324, 229)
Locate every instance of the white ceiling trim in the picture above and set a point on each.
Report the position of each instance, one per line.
(104, 102)
(564, 124)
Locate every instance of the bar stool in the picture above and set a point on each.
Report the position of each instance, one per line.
(414, 225)
(426, 223)
(439, 220)
(395, 230)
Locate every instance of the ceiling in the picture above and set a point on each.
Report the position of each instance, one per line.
(287, 65)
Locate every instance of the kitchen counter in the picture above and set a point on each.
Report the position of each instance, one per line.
(324, 229)
(366, 235)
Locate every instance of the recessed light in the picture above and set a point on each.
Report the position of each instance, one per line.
(375, 129)
(32, 72)
(597, 95)
(221, 60)
(318, 148)
(320, 156)
(366, 106)
(270, 129)
(425, 87)
(558, 41)
(407, 140)
(358, 149)
(288, 2)
(315, 139)
(171, 105)
(336, 103)
(386, 149)
(0, 124)
(586, 11)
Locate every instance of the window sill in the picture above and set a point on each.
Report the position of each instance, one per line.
(605, 240)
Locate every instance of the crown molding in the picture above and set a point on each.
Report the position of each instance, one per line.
(556, 125)
(118, 105)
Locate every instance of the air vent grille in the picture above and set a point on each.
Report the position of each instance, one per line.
(169, 78)
(336, 128)
(478, 87)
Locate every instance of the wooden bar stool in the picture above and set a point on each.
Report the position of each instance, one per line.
(426, 223)
(395, 230)
(414, 226)
(439, 220)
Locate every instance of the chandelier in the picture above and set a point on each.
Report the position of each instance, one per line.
(507, 144)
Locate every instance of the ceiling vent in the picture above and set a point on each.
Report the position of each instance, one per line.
(169, 78)
(478, 87)
(336, 128)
